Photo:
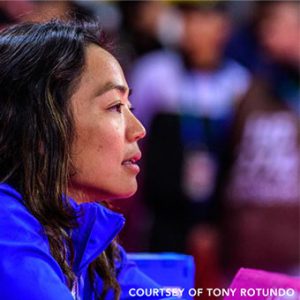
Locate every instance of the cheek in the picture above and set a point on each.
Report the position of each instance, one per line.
(98, 155)
(108, 138)
(100, 144)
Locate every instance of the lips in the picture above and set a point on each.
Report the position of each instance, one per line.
(132, 159)
(130, 163)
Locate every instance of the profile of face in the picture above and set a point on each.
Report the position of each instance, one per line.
(105, 151)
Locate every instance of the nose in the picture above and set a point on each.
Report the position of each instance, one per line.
(135, 130)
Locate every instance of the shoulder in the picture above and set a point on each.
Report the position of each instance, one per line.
(235, 77)
(236, 71)
(26, 264)
(15, 216)
(19, 229)
(157, 64)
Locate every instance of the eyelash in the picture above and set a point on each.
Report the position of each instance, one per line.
(118, 108)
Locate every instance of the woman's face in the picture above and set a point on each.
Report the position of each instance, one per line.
(105, 148)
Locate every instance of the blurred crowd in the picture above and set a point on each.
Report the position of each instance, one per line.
(216, 84)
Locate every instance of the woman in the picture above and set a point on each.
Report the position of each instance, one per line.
(67, 138)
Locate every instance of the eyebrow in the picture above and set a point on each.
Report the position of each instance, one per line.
(112, 86)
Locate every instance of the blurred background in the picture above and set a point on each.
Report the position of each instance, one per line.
(216, 84)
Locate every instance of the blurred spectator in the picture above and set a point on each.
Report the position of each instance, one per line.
(46, 10)
(187, 99)
(147, 26)
(38, 11)
(263, 194)
(140, 21)
(269, 47)
(108, 13)
(14, 11)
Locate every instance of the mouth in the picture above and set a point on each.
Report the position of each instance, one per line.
(131, 162)
(133, 158)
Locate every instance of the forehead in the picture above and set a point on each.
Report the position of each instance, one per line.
(101, 67)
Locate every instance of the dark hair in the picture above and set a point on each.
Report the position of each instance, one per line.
(40, 65)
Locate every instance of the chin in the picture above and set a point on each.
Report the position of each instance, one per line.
(126, 193)
(94, 192)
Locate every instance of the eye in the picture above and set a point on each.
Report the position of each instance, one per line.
(117, 107)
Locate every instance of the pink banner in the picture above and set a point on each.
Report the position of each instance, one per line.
(262, 285)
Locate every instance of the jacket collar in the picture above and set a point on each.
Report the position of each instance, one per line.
(98, 226)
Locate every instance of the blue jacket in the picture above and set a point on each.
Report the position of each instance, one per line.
(27, 268)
